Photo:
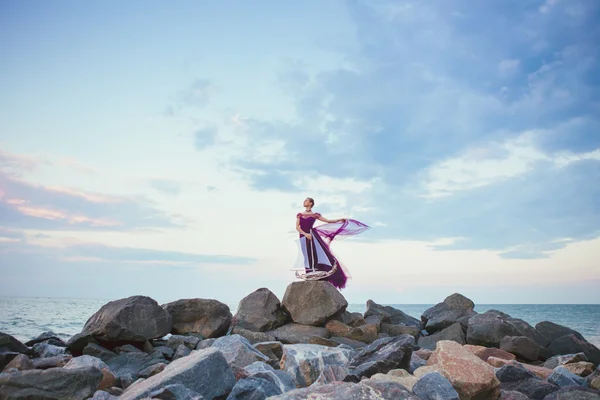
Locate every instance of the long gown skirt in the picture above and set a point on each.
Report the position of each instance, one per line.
(320, 262)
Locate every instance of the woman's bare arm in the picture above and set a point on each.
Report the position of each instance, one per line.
(329, 221)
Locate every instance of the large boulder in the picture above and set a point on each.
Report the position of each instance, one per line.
(50, 384)
(260, 311)
(296, 333)
(472, 377)
(368, 389)
(238, 351)
(446, 313)
(306, 362)
(313, 302)
(390, 315)
(571, 343)
(381, 356)
(453, 332)
(205, 372)
(134, 319)
(210, 318)
(488, 329)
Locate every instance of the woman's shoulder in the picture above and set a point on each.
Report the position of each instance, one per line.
(308, 215)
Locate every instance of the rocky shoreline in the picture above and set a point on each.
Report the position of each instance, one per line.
(305, 346)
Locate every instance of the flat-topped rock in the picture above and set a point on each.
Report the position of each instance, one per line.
(209, 317)
(313, 302)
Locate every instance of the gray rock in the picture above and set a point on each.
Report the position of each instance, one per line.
(353, 319)
(127, 365)
(397, 330)
(181, 351)
(134, 319)
(552, 331)
(512, 395)
(253, 337)
(369, 389)
(48, 337)
(570, 344)
(296, 333)
(381, 356)
(9, 344)
(238, 351)
(167, 352)
(391, 315)
(190, 342)
(253, 388)
(416, 362)
(128, 348)
(175, 391)
(205, 344)
(433, 386)
(306, 362)
(313, 302)
(44, 350)
(54, 383)
(534, 388)
(562, 377)
(20, 363)
(264, 371)
(446, 313)
(521, 346)
(453, 332)
(51, 362)
(273, 350)
(514, 373)
(555, 361)
(102, 395)
(210, 318)
(78, 342)
(205, 372)
(260, 311)
(489, 328)
(574, 393)
(152, 370)
(84, 361)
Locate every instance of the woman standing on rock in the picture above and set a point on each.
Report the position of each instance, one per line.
(317, 260)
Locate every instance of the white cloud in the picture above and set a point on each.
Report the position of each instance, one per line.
(508, 67)
(548, 6)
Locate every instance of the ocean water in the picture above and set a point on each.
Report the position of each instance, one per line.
(27, 317)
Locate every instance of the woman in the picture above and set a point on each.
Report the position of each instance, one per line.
(319, 262)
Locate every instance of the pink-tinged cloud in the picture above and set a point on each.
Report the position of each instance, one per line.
(18, 162)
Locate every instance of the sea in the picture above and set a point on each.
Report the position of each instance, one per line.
(27, 317)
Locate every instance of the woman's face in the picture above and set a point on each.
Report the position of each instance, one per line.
(307, 203)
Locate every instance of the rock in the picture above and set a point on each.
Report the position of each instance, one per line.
(552, 331)
(152, 370)
(260, 311)
(352, 319)
(205, 344)
(369, 389)
(313, 302)
(8, 344)
(453, 332)
(175, 391)
(512, 395)
(296, 333)
(555, 361)
(175, 341)
(397, 330)
(51, 362)
(377, 320)
(306, 362)
(424, 353)
(238, 351)
(102, 395)
(513, 373)
(486, 352)
(469, 375)
(253, 388)
(416, 362)
(264, 371)
(581, 368)
(574, 393)
(210, 318)
(181, 351)
(167, 352)
(205, 372)
(355, 344)
(538, 371)
(78, 342)
(54, 383)
(273, 350)
(108, 378)
(433, 386)
(253, 337)
(422, 371)
(381, 356)
(128, 348)
(47, 337)
(569, 344)
(489, 328)
(391, 315)
(323, 342)
(20, 363)
(44, 350)
(593, 380)
(562, 377)
(364, 333)
(533, 388)
(446, 313)
(134, 319)
(521, 346)
(126, 365)
(399, 376)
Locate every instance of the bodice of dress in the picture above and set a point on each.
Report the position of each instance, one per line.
(307, 221)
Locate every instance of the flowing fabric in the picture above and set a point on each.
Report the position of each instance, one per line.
(315, 256)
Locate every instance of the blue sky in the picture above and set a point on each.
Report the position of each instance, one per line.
(164, 149)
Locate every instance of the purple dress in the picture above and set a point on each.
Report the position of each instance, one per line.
(318, 258)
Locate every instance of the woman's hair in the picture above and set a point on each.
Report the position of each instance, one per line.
(312, 201)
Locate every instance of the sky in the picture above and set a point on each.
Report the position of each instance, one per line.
(163, 149)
